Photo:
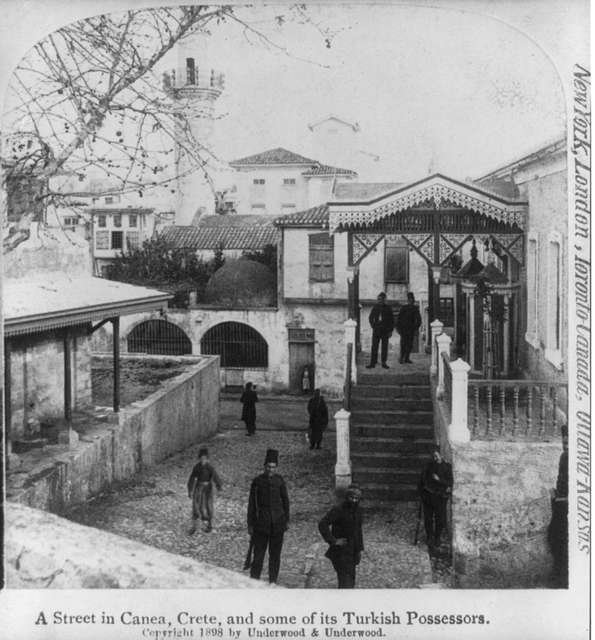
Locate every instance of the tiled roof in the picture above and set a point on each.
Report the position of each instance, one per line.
(327, 170)
(273, 156)
(363, 190)
(313, 217)
(245, 235)
(53, 301)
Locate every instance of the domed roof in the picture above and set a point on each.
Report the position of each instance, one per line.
(242, 283)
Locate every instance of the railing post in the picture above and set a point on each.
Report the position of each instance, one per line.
(436, 329)
(350, 327)
(443, 346)
(343, 465)
(458, 430)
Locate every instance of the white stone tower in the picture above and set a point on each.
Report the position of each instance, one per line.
(195, 85)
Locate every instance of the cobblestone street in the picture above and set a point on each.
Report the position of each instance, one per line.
(154, 509)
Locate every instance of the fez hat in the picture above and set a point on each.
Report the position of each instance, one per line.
(354, 490)
(203, 451)
(382, 295)
(272, 456)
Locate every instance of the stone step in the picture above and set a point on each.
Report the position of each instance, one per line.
(374, 492)
(409, 431)
(389, 459)
(361, 402)
(363, 377)
(401, 445)
(388, 391)
(392, 417)
(394, 477)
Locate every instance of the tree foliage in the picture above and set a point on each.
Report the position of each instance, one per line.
(157, 263)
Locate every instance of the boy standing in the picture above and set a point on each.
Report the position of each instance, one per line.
(200, 489)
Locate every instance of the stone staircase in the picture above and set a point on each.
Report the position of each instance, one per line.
(392, 431)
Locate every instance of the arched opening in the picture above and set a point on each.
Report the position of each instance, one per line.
(159, 337)
(238, 345)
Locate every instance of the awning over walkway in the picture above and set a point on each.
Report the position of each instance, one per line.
(439, 190)
(31, 306)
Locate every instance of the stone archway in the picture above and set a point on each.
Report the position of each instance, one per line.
(158, 337)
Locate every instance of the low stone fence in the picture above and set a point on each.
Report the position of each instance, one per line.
(184, 410)
(45, 551)
(500, 508)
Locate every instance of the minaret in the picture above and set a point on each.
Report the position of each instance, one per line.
(195, 86)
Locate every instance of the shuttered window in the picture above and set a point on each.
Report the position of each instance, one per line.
(102, 239)
(132, 239)
(396, 268)
(322, 249)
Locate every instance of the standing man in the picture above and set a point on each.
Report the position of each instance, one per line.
(341, 527)
(435, 486)
(408, 322)
(382, 322)
(557, 533)
(200, 489)
(318, 412)
(268, 517)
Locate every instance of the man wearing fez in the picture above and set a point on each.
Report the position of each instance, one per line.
(408, 322)
(435, 486)
(268, 517)
(341, 527)
(382, 322)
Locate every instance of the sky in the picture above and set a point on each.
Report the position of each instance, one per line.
(461, 88)
(451, 89)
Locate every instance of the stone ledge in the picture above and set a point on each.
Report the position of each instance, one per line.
(45, 551)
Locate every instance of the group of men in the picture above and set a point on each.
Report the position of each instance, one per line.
(383, 323)
(341, 526)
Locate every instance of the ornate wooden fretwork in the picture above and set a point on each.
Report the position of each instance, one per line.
(362, 244)
(439, 191)
(450, 243)
(423, 243)
(512, 244)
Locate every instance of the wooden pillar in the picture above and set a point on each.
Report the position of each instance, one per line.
(7, 399)
(357, 314)
(506, 336)
(471, 330)
(67, 378)
(116, 352)
(432, 311)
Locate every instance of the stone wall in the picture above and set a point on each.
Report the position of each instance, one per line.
(271, 324)
(184, 411)
(500, 508)
(500, 512)
(37, 377)
(44, 551)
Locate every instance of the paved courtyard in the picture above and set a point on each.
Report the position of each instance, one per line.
(154, 509)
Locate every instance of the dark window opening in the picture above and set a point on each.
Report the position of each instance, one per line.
(159, 337)
(238, 345)
(190, 71)
(117, 239)
(447, 312)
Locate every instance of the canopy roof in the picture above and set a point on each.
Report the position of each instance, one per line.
(54, 301)
(436, 188)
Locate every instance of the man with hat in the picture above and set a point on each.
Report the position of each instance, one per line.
(408, 323)
(382, 322)
(268, 516)
(200, 489)
(435, 486)
(341, 527)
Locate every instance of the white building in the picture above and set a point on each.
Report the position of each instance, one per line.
(277, 182)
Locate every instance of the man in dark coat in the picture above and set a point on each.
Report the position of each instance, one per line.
(249, 400)
(268, 517)
(435, 486)
(557, 533)
(408, 322)
(341, 527)
(382, 322)
(318, 413)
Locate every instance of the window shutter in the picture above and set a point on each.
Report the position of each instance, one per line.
(102, 239)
